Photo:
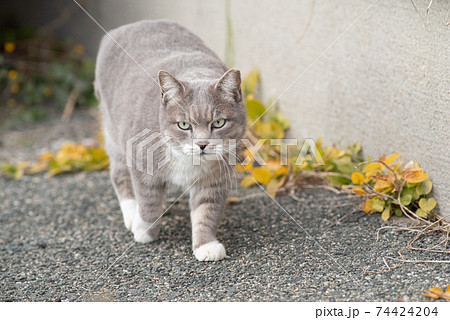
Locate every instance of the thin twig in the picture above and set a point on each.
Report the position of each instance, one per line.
(70, 106)
(419, 261)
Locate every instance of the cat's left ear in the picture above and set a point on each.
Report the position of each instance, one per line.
(170, 86)
(230, 85)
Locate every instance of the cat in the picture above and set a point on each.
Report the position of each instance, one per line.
(158, 77)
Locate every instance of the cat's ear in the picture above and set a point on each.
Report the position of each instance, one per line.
(230, 85)
(170, 86)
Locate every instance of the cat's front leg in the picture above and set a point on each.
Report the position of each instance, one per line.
(149, 196)
(207, 205)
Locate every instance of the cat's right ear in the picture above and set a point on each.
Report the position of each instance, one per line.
(170, 86)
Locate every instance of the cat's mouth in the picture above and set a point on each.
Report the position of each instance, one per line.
(203, 152)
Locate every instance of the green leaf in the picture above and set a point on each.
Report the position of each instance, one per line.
(344, 165)
(254, 109)
(281, 120)
(427, 204)
(424, 187)
(11, 171)
(338, 181)
(406, 198)
(398, 212)
(377, 204)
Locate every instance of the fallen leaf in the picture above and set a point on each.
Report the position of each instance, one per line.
(247, 182)
(358, 190)
(274, 185)
(242, 168)
(436, 293)
(262, 175)
(232, 200)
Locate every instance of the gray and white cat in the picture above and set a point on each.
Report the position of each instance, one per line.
(195, 105)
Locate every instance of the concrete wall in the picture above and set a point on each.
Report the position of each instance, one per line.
(385, 83)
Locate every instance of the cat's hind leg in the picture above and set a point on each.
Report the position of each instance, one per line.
(121, 180)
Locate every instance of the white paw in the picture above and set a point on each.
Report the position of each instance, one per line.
(143, 231)
(212, 251)
(129, 209)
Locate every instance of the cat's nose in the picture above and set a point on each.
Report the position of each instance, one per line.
(202, 144)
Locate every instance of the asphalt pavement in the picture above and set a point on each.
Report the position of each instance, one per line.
(63, 239)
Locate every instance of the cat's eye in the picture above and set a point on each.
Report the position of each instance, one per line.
(183, 125)
(218, 123)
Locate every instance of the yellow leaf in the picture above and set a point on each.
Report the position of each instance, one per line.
(232, 200)
(37, 167)
(358, 190)
(382, 186)
(447, 289)
(357, 178)
(274, 185)
(250, 81)
(247, 182)
(9, 47)
(437, 290)
(262, 175)
(273, 165)
(386, 214)
(434, 293)
(377, 204)
(78, 49)
(414, 175)
(368, 206)
(269, 130)
(249, 154)
(372, 169)
(243, 168)
(427, 204)
(389, 160)
(421, 213)
(46, 156)
(282, 171)
(397, 166)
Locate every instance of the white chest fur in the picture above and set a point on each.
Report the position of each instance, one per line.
(184, 172)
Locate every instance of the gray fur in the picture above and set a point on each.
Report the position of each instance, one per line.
(192, 85)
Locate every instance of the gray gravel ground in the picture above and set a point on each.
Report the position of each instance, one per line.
(63, 238)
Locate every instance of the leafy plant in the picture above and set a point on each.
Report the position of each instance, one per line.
(69, 158)
(37, 69)
(394, 189)
(390, 189)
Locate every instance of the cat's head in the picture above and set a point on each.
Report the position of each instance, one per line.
(201, 116)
